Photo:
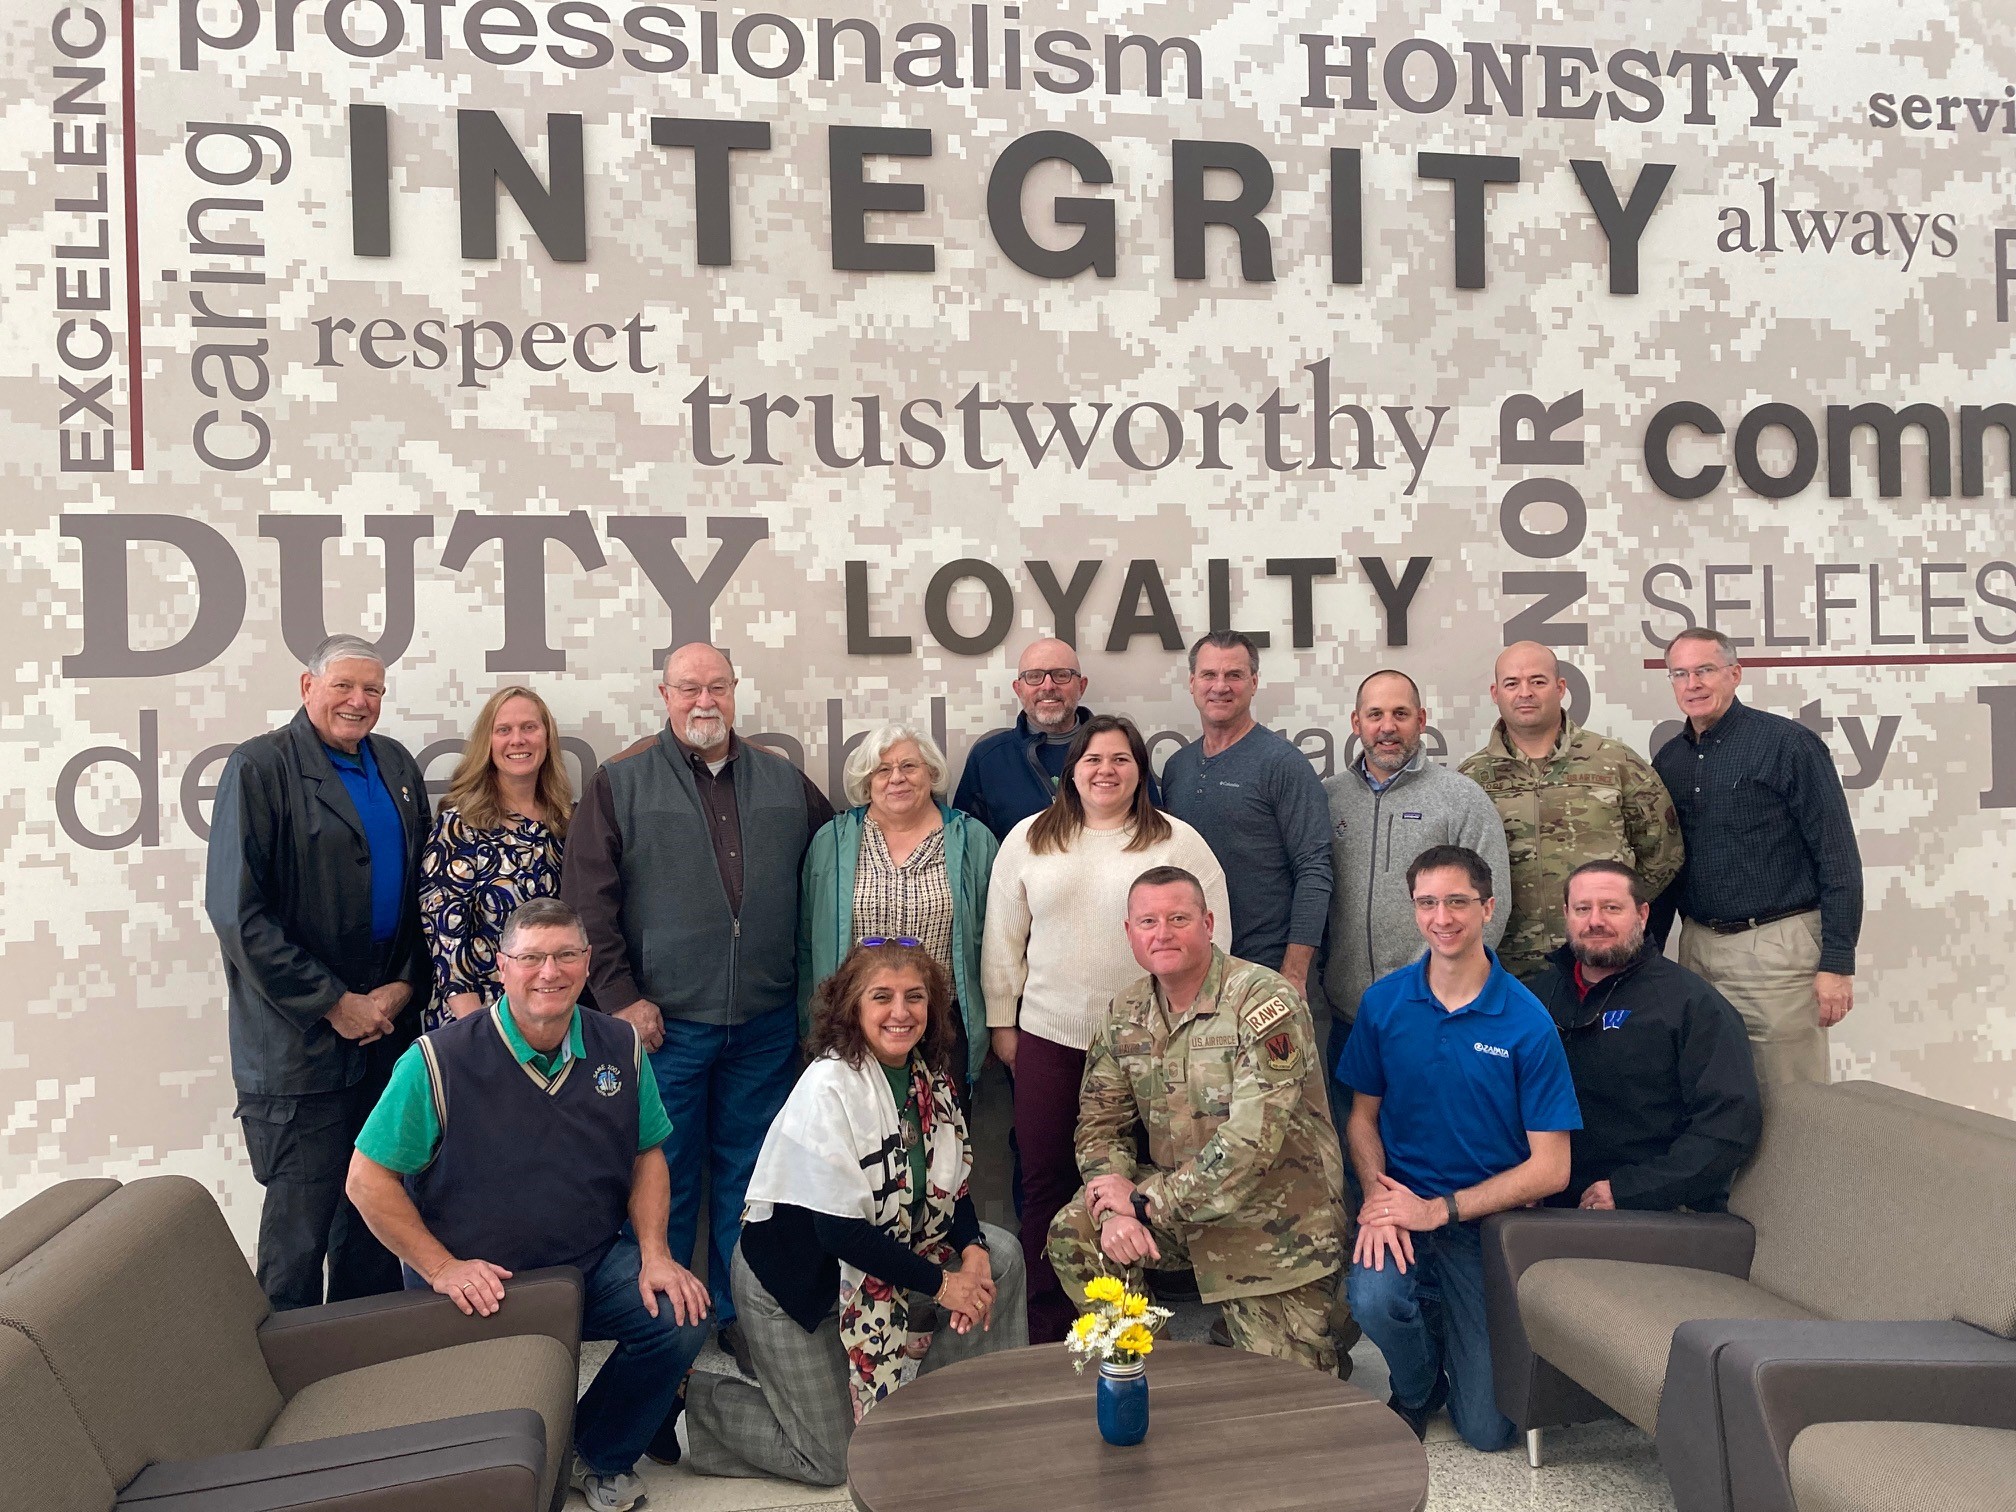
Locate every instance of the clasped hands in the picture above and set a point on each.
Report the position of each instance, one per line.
(1392, 1214)
(368, 1016)
(1123, 1238)
(968, 1290)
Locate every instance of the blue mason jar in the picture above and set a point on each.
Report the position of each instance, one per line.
(1123, 1403)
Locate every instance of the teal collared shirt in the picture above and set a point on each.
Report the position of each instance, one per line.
(404, 1130)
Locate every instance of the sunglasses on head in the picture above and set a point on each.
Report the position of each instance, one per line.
(873, 940)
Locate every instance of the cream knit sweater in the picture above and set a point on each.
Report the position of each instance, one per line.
(1056, 940)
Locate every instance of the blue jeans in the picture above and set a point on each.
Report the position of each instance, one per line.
(722, 1085)
(1448, 1270)
(634, 1390)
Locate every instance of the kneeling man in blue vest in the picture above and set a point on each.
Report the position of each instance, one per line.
(550, 1158)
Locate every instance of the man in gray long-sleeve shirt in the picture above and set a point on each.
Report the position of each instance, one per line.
(1259, 805)
(1389, 805)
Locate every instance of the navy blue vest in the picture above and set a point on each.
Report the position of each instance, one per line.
(530, 1172)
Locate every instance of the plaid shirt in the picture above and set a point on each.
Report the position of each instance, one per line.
(1767, 828)
(912, 901)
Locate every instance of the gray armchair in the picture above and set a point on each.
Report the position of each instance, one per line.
(140, 1367)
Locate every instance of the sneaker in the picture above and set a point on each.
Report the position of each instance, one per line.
(1417, 1417)
(729, 1337)
(607, 1493)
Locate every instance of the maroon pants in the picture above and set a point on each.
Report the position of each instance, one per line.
(1047, 1075)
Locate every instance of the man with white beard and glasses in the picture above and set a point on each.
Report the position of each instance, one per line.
(1661, 1063)
(683, 864)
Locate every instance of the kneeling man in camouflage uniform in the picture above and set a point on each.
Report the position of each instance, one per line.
(1213, 1060)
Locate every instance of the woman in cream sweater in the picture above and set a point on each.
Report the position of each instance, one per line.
(1055, 952)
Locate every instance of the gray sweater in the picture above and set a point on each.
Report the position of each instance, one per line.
(1374, 838)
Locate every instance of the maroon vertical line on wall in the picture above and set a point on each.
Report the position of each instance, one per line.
(136, 431)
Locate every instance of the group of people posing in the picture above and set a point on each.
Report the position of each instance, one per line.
(1294, 1037)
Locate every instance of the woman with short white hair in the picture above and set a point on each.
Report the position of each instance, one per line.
(900, 864)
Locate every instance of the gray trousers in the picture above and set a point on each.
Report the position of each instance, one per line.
(795, 1423)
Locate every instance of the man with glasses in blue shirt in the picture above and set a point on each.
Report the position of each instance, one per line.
(1464, 1107)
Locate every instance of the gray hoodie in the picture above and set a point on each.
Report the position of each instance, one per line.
(1374, 838)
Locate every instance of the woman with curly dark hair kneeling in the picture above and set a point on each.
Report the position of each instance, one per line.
(861, 1259)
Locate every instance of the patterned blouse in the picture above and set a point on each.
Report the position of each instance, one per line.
(912, 901)
(470, 881)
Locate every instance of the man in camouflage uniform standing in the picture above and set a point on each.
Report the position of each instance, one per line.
(1214, 1058)
(1567, 795)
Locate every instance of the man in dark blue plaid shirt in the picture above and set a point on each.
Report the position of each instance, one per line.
(1772, 888)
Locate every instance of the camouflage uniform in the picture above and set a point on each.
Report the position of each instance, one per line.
(1243, 1172)
(1592, 799)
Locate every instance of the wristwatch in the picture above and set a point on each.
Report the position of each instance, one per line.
(1449, 1201)
(1140, 1209)
(980, 1238)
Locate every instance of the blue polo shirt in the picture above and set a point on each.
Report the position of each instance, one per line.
(384, 833)
(1458, 1090)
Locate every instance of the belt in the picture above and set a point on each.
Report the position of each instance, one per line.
(1740, 926)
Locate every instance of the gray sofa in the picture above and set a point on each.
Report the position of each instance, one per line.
(141, 1368)
(1866, 1272)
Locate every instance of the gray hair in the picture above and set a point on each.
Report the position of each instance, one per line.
(342, 648)
(1716, 638)
(540, 913)
(867, 756)
(1227, 640)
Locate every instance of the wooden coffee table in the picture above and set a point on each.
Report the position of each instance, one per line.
(1228, 1431)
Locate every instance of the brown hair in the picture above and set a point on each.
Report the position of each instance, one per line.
(1057, 826)
(836, 1007)
(473, 791)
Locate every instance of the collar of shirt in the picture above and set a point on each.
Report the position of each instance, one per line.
(571, 1048)
(1208, 992)
(1502, 739)
(1490, 1000)
(1414, 764)
(699, 763)
(1715, 732)
(362, 760)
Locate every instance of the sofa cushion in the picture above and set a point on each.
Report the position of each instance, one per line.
(148, 1317)
(46, 1214)
(1902, 1467)
(1608, 1324)
(529, 1370)
(51, 1463)
(1882, 1206)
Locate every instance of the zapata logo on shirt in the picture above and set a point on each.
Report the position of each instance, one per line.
(608, 1080)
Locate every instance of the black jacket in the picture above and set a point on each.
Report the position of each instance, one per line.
(1670, 1108)
(289, 894)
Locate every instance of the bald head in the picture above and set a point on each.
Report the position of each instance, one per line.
(699, 694)
(1050, 703)
(1527, 687)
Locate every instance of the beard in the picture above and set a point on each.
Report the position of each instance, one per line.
(1612, 956)
(1376, 757)
(703, 732)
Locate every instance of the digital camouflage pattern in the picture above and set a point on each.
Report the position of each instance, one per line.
(1242, 1162)
(1293, 1325)
(1593, 799)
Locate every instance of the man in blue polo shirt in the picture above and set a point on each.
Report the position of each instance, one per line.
(1464, 1106)
(527, 1136)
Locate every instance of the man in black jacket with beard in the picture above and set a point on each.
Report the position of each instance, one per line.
(1670, 1107)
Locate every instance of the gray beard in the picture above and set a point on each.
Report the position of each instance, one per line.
(1406, 755)
(1611, 957)
(705, 734)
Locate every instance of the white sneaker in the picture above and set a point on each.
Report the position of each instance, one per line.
(608, 1493)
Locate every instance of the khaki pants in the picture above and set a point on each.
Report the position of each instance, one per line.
(1292, 1325)
(1767, 973)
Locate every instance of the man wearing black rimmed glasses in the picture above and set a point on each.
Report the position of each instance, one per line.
(524, 1137)
(1013, 773)
(1772, 887)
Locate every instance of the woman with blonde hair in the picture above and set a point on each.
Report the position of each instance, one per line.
(1055, 953)
(497, 842)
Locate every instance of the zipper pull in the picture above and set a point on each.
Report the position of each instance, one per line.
(738, 926)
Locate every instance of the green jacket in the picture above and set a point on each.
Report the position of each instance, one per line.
(826, 913)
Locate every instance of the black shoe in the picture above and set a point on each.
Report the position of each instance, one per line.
(729, 1337)
(664, 1445)
(1417, 1417)
(1345, 1364)
(1220, 1334)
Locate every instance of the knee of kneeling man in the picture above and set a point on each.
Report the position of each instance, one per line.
(1372, 1291)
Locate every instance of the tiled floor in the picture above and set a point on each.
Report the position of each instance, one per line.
(1600, 1467)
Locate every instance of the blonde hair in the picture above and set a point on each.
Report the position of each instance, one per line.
(473, 791)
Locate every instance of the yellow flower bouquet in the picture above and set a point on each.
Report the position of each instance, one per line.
(1117, 1327)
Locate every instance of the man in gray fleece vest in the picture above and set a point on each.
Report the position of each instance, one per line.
(1387, 807)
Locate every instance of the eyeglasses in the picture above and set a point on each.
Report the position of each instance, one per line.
(1057, 675)
(1696, 674)
(909, 769)
(1459, 903)
(694, 690)
(871, 941)
(533, 960)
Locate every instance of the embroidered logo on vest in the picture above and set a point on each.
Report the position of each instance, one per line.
(608, 1079)
(1613, 1018)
